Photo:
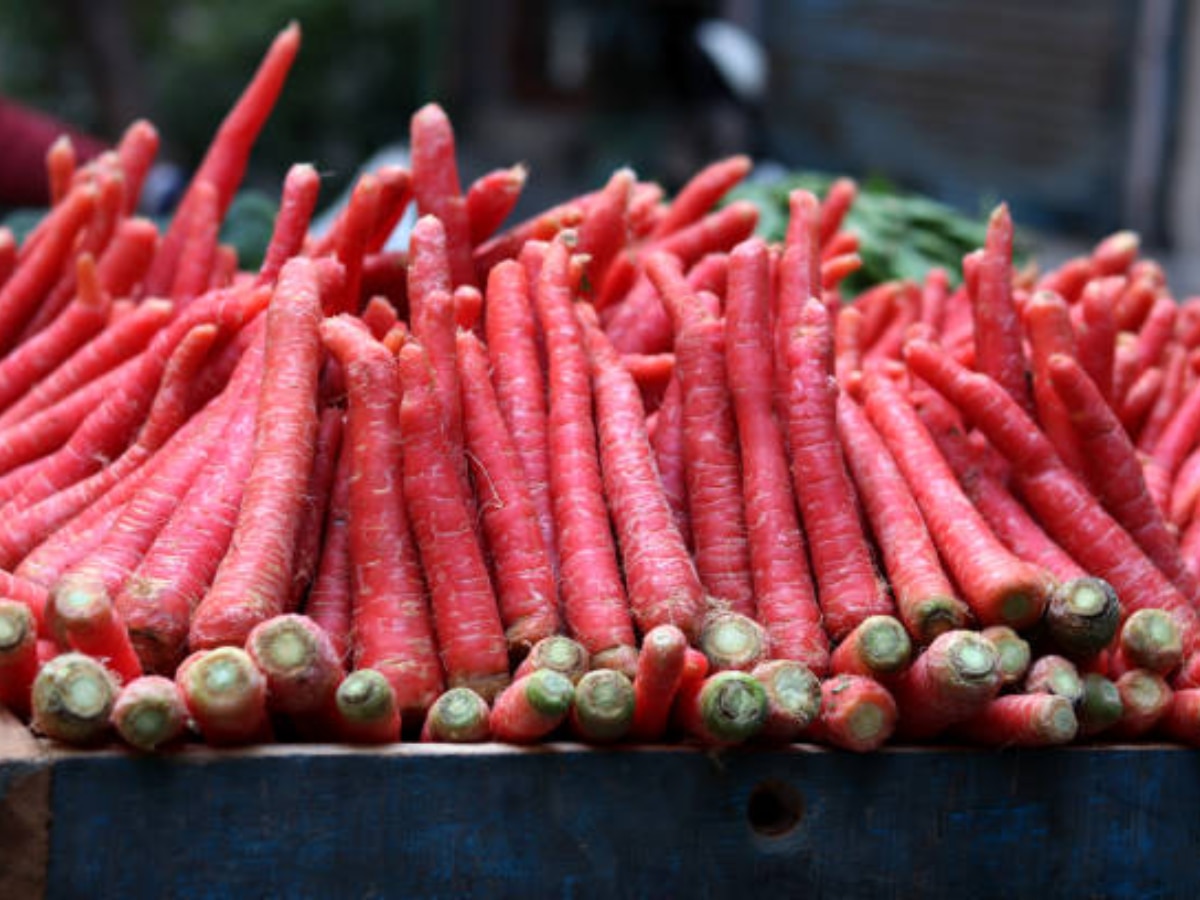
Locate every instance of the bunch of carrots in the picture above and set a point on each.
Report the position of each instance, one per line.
(621, 471)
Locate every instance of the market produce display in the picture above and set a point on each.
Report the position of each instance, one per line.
(623, 471)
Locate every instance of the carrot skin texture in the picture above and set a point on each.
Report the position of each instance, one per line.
(1181, 721)
(1023, 720)
(663, 586)
(149, 713)
(226, 696)
(785, 598)
(254, 579)
(659, 673)
(701, 194)
(301, 187)
(490, 199)
(299, 662)
(365, 709)
(459, 716)
(525, 586)
(392, 628)
(437, 189)
(997, 327)
(466, 617)
(926, 601)
(594, 601)
(1048, 327)
(18, 655)
(330, 600)
(847, 586)
(91, 625)
(857, 713)
(531, 707)
(951, 681)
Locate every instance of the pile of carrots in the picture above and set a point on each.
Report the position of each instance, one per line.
(621, 471)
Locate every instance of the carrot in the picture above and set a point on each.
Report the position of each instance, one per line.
(1097, 332)
(466, 618)
(652, 372)
(1140, 399)
(593, 596)
(701, 194)
(1056, 675)
(857, 713)
(1023, 720)
(1048, 327)
(301, 187)
(659, 674)
(785, 598)
(663, 585)
(60, 167)
(193, 268)
(925, 600)
(459, 716)
(1156, 332)
(603, 232)
(793, 698)
(797, 279)
(525, 586)
(366, 710)
(951, 681)
(1101, 706)
(8, 254)
(1083, 617)
(392, 629)
(18, 655)
(226, 696)
(1181, 721)
(667, 439)
(1145, 698)
(329, 602)
(300, 664)
(542, 227)
(1062, 503)
(1012, 652)
(847, 587)
(72, 699)
(149, 713)
(1134, 303)
(136, 151)
(878, 647)
(122, 340)
(1116, 253)
(490, 199)
(90, 625)
(1149, 640)
(225, 161)
(1179, 434)
(436, 186)
(558, 652)
(724, 709)
(603, 708)
(310, 534)
(531, 707)
(1185, 489)
(731, 640)
(254, 578)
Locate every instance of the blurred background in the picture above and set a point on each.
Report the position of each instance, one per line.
(1084, 115)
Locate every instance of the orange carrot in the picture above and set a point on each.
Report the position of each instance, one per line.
(659, 673)
(857, 713)
(531, 707)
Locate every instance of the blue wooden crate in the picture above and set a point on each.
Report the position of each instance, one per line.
(567, 821)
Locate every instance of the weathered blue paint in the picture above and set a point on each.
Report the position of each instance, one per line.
(563, 821)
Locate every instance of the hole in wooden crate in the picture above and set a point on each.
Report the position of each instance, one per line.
(774, 808)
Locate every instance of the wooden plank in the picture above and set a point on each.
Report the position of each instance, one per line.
(24, 811)
(566, 821)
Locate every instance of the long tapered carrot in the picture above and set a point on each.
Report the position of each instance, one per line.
(490, 199)
(701, 194)
(848, 588)
(998, 349)
(254, 578)
(136, 152)
(436, 186)
(224, 164)
(1048, 327)
(392, 629)
(926, 601)
(785, 598)
(301, 187)
(664, 588)
(330, 600)
(594, 601)
(1070, 514)
(603, 231)
(466, 616)
(525, 585)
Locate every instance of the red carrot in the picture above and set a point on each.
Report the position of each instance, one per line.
(1180, 434)
(1145, 699)
(525, 585)
(925, 600)
(593, 596)
(542, 227)
(490, 199)
(659, 673)
(1149, 640)
(602, 233)
(60, 167)
(366, 711)
(18, 655)
(224, 163)
(391, 620)
(300, 664)
(193, 268)
(301, 186)
(459, 716)
(557, 652)
(1083, 617)
(1048, 326)
(8, 255)
(663, 585)
(149, 713)
(1116, 253)
(797, 280)
(466, 618)
(329, 602)
(1023, 720)
(90, 625)
(878, 647)
(72, 699)
(254, 579)
(437, 188)
(724, 709)
(1097, 332)
(701, 194)
(793, 699)
(784, 595)
(1012, 652)
(531, 707)
(997, 326)
(226, 696)
(1181, 721)
(1051, 674)
(603, 707)
(731, 640)
(1140, 399)
(23, 590)
(857, 713)
(848, 588)
(136, 151)
(951, 681)
(1156, 332)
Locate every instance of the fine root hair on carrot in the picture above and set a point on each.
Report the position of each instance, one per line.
(603, 708)
(149, 713)
(559, 653)
(1150, 639)
(733, 641)
(877, 647)
(1082, 617)
(299, 661)
(1012, 651)
(367, 708)
(793, 698)
(1100, 707)
(458, 716)
(1053, 674)
(73, 697)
